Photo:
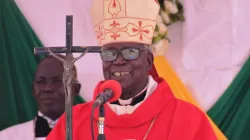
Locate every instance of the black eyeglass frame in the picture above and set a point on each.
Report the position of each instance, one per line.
(122, 53)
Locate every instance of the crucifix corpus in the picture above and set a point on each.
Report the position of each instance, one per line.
(68, 64)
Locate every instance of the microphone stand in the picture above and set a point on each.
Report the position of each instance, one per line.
(101, 119)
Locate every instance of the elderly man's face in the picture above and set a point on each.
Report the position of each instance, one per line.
(129, 73)
(49, 88)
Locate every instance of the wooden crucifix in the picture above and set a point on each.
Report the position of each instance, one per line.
(68, 64)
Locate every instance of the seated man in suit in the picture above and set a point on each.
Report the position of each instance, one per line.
(48, 90)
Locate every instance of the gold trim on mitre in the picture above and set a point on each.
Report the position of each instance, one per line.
(124, 20)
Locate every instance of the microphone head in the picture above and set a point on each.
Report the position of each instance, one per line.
(114, 86)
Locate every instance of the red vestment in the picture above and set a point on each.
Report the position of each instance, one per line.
(174, 120)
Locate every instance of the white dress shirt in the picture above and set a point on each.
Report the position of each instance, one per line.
(125, 108)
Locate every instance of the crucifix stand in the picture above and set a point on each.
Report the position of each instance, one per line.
(68, 64)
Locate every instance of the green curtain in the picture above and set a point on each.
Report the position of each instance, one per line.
(17, 66)
(231, 112)
(78, 100)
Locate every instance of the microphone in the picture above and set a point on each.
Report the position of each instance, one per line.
(109, 91)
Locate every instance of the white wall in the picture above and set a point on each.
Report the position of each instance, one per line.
(206, 51)
(47, 17)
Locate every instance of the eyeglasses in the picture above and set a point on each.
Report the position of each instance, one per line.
(126, 53)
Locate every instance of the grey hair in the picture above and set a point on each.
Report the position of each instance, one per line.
(148, 48)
